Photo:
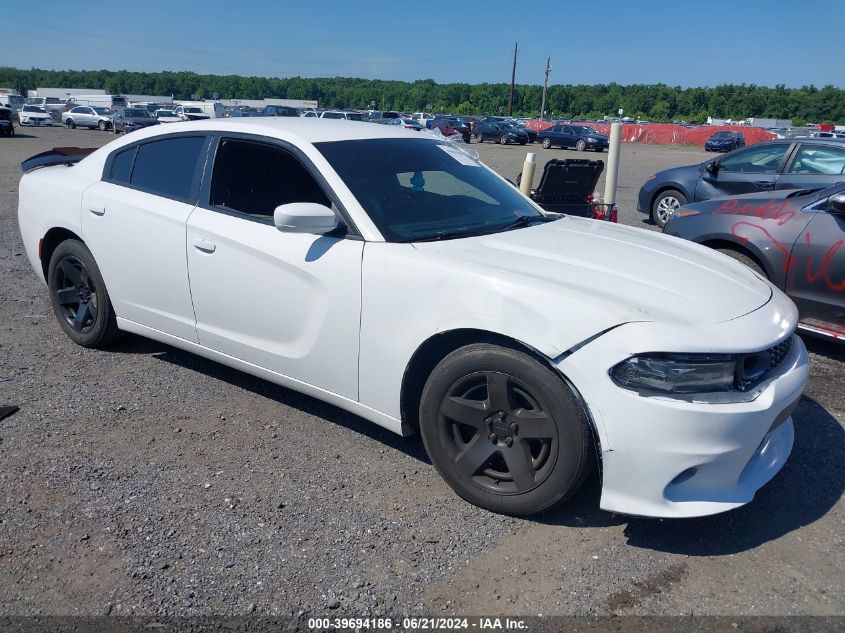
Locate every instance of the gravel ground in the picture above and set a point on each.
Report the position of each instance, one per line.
(145, 480)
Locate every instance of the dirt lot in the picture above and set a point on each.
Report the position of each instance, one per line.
(145, 480)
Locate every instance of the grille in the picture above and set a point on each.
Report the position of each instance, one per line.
(779, 352)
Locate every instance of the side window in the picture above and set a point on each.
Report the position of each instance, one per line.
(757, 160)
(255, 178)
(120, 170)
(169, 167)
(78, 110)
(818, 159)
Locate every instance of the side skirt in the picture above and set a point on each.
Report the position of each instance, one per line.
(382, 419)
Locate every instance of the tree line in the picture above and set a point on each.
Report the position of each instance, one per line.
(656, 102)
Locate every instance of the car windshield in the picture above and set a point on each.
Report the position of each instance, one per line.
(134, 112)
(416, 189)
(161, 113)
(30, 108)
(197, 110)
(722, 135)
(103, 111)
(582, 129)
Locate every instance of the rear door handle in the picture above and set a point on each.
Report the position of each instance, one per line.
(764, 184)
(97, 209)
(204, 245)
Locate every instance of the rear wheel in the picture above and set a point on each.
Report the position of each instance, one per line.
(665, 205)
(504, 431)
(79, 296)
(547, 143)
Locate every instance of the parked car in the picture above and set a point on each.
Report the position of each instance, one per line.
(579, 137)
(378, 115)
(341, 114)
(309, 114)
(99, 117)
(770, 165)
(449, 126)
(166, 116)
(408, 124)
(7, 125)
(791, 237)
(280, 110)
(499, 133)
(724, 141)
(394, 276)
(532, 134)
(130, 119)
(34, 115)
(195, 113)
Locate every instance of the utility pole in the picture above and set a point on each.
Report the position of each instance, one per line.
(545, 87)
(513, 80)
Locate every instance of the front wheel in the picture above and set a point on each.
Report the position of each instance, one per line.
(70, 123)
(547, 143)
(665, 205)
(503, 140)
(580, 146)
(79, 297)
(504, 431)
(102, 126)
(479, 138)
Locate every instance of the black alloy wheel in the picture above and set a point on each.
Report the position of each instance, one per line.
(79, 297)
(501, 434)
(504, 430)
(504, 139)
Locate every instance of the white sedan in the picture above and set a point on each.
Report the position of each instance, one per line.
(396, 277)
(34, 115)
(166, 116)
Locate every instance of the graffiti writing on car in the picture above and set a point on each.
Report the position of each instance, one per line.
(739, 231)
(773, 210)
(823, 270)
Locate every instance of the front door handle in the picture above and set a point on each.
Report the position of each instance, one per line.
(97, 209)
(205, 246)
(764, 184)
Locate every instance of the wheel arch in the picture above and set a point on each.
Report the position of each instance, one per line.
(747, 248)
(438, 346)
(50, 242)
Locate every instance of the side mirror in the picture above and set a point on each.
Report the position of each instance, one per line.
(837, 203)
(304, 217)
(712, 167)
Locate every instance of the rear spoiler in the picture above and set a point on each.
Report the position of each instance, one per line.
(56, 156)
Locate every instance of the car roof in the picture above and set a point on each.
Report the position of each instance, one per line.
(297, 129)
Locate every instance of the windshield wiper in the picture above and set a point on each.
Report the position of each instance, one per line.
(525, 220)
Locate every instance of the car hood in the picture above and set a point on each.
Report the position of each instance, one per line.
(628, 274)
(601, 137)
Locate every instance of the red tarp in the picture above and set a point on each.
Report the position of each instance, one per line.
(666, 133)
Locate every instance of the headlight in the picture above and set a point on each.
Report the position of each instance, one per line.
(676, 373)
(590, 139)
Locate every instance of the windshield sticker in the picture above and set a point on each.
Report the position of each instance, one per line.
(459, 156)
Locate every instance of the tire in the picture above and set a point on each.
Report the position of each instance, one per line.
(530, 411)
(523, 142)
(70, 123)
(102, 126)
(580, 145)
(547, 143)
(503, 140)
(746, 259)
(79, 297)
(479, 138)
(665, 205)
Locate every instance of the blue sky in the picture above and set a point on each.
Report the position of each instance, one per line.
(677, 43)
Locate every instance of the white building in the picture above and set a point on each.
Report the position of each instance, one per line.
(63, 93)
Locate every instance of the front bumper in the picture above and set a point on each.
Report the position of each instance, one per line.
(644, 199)
(664, 457)
(36, 122)
(598, 145)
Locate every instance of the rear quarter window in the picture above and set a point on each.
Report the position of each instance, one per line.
(170, 167)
